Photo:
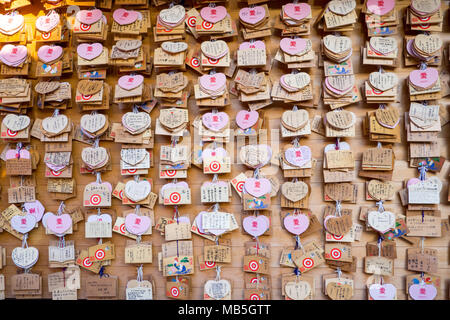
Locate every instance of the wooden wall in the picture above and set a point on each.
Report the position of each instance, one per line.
(280, 238)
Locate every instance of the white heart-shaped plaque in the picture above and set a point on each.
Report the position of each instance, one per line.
(137, 191)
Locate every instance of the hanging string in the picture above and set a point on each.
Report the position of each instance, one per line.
(339, 272)
(99, 212)
(140, 273)
(174, 140)
(337, 146)
(98, 177)
(380, 206)
(24, 241)
(423, 65)
(338, 208)
(379, 246)
(256, 173)
(218, 269)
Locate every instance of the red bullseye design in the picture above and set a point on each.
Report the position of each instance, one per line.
(253, 265)
(122, 228)
(207, 25)
(213, 61)
(254, 296)
(174, 292)
(335, 253)
(195, 62)
(46, 35)
(214, 166)
(424, 19)
(56, 173)
(85, 27)
(175, 197)
(192, 21)
(210, 264)
(424, 26)
(11, 133)
(100, 254)
(171, 173)
(337, 237)
(95, 199)
(131, 170)
(87, 263)
(308, 263)
(240, 186)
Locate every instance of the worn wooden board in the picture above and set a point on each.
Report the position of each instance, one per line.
(279, 238)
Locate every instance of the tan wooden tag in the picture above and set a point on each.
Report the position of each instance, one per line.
(339, 191)
(44, 87)
(298, 290)
(214, 48)
(384, 45)
(295, 120)
(337, 44)
(294, 191)
(173, 118)
(341, 119)
(383, 81)
(387, 116)
(337, 291)
(380, 190)
(339, 225)
(89, 87)
(428, 43)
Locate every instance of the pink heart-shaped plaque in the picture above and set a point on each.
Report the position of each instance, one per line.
(246, 119)
(137, 225)
(215, 121)
(59, 224)
(298, 156)
(380, 7)
(422, 291)
(424, 78)
(89, 16)
(35, 208)
(89, 51)
(13, 53)
(100, 218)
(181, 184)
(48, 22)
(413, 181)
(382, 291)
(49, 53)
(296, 224)
(258, 44)
(257, 187)
(213, 14)
(252, 15)
(213, 82)
(123, 17)
(297, 11)
(13, 154)
(23, 224)
(256, 226)
(293, 46)
(217, 152)
(130, 82)
(198, 220)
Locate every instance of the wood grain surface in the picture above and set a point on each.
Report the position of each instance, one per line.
(279, 238)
